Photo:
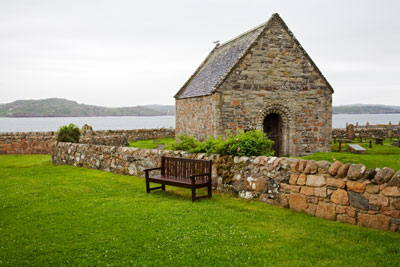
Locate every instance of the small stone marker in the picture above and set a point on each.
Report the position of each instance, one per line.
(354, 148)
(350, 132)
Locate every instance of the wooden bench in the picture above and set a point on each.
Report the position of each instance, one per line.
(180, 172)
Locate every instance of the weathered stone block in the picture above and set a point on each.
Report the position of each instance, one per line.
(302, 179)
(333, 169)
(310, 210)
(350, 211)
(358, 201)
(358, 187)
(340, 209)
(312, 199)
(315, 180)
(391, 191)
(383, 175)
(302, 165)
(372, 189)
(294, 166)
(395, 181)
(293, 178)
(325, 210)
(298, 202)
(346, 219)
(311, 167)
(323, 166)
(306, 190)
(320, 191)
(340, 196)
(373, 221)
(391, 213)
(290, 188)
(396, 204)
(335, 182)
(378, 200)
(356, 171)
(342, 171)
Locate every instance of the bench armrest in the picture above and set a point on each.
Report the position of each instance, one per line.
(146, 171)
(152, 169)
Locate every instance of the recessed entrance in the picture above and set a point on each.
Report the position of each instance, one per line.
(273, 128)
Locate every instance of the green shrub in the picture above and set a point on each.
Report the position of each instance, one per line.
(209, 146)
(251, 143)
(187, 142)
(69, 133)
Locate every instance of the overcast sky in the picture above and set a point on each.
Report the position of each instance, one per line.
(126, 53)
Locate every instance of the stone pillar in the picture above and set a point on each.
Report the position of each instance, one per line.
(350, 131)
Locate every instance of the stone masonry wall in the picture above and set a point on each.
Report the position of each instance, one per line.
(349, 193)
(140, 134)
(194, 116)
(41, 142)
(276, 76)
(27, 143)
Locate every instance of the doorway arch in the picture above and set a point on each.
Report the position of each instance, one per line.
(272, 127)
(276, 121)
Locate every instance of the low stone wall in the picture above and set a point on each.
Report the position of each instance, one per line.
(348, 193)
(27, 143)
(375, 131)
(42, 142)
(109, 140)
(141, 134)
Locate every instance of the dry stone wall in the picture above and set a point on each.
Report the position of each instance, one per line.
(140, 134)
(42, 142)
(27, 143)
(345, 192)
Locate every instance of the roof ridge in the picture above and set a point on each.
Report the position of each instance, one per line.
(242, 34)
(265, 25)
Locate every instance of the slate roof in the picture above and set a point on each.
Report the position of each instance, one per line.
(218, 63)
(223, 58)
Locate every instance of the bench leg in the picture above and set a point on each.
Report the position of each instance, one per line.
(163, 187)
(147, 186)
(193, 194)
(209, 191)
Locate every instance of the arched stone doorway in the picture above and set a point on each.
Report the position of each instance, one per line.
(276, 120)
(272, 126)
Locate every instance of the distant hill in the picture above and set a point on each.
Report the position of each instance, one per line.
(365, 109)
(57, 107)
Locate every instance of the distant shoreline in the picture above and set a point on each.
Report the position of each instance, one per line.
(14, 117)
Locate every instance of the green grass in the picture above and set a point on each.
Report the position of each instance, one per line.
(380, 156)
(152, 143)
(63, 215)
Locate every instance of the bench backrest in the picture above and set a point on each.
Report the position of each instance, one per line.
(181, 168)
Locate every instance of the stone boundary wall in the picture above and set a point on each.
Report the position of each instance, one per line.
(349, 193)
(382, 131)
(27, 143)
(42, 142)
(109, 140)
(141, 134)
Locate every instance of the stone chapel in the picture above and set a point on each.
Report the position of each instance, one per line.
(262, 79)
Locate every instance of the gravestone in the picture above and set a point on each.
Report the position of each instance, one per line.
(350, 132)
(354, 148)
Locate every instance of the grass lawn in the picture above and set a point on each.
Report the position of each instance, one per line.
(380, 156)
(152, 143)
(63, 215)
